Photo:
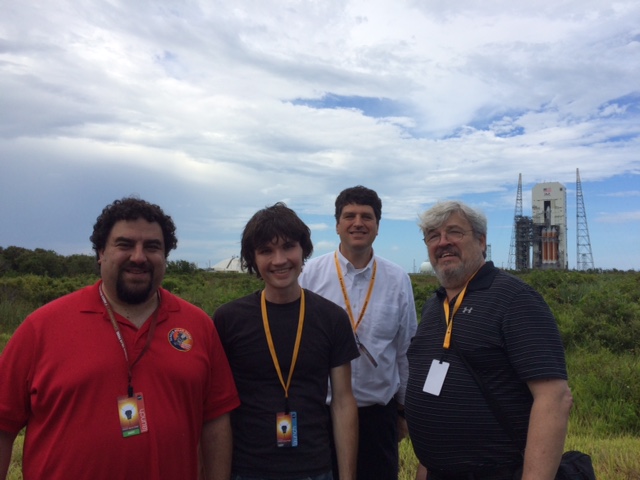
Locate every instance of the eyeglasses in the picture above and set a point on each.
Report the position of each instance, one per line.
(454, 235)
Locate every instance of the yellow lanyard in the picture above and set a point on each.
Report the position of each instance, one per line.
(114, 323)
(272, 349)
(456, 306)
(355, 324)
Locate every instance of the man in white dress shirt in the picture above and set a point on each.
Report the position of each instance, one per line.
(378, 298)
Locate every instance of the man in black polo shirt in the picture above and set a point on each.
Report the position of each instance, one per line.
(510, 338)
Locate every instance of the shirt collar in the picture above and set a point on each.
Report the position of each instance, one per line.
(349, 269)
(90, 301)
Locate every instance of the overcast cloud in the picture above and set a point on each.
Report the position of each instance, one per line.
(214, 109)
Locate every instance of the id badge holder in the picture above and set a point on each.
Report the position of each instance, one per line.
(435, 377)
(132, 414)
(287, 429)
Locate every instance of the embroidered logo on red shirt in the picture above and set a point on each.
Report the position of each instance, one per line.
(180, 339)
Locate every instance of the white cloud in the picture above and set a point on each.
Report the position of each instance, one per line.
(324, 246)
(631, 193)
(318, 227)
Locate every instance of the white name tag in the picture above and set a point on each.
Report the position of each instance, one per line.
(435, 377)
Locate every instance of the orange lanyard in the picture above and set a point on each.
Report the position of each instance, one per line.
(114, 322)
(355, 324)
(456, 306)
(272, 349)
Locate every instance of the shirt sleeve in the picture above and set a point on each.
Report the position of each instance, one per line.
(16, 365)
(223, 396)
(532, 338)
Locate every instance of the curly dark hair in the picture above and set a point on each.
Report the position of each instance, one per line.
(359, 195)
(132, 208)
(277, 221)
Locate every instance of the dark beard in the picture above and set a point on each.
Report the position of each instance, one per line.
(131, 296)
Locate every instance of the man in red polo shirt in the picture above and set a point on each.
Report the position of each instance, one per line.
(121, 379)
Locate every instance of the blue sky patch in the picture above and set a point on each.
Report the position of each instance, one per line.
(627, 104)
(370, 106)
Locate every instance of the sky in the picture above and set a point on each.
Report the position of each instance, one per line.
(216, 109)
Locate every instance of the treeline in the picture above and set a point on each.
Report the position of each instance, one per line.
(16, 261)
(22, 261)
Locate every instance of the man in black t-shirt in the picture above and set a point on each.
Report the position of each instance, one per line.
(284, 344)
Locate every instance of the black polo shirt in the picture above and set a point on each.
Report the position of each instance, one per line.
(508, 333)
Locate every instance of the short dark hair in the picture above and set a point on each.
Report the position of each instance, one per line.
(277, 221)
(359, 195)
(132, 208)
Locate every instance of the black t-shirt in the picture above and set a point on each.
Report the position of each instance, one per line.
(327, 342)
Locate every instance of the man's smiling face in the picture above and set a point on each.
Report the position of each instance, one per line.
(357, 228)
(455, 260)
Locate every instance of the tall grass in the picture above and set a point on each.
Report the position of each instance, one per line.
(614, 458)
(15, 467)
(606, 391)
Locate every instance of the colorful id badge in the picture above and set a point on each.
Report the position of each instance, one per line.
(287, 429)
(133, 417)
(435, 377)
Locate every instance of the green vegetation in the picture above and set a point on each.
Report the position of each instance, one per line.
(598, 314)
(15, 261)
(21, 261)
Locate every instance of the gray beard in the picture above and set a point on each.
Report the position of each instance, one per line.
(458, 277)
(452, 278)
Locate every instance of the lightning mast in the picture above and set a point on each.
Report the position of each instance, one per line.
(585, 257)
(516, 214)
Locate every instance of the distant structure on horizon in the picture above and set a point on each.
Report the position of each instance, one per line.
(232, 264)
(427, 268)
(583, 251)
(540, 241)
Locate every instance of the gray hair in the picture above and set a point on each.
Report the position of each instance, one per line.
(441, 211)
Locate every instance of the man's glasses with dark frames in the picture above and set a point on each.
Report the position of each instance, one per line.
(453, 235)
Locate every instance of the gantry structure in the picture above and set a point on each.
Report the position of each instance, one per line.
(584, 254)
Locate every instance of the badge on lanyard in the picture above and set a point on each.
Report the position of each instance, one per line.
(355, 324)
(438, 370)
(287, 421)
(133, 416)
(287, 429)
(131, 411)
(435, 377)
(365, 352)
